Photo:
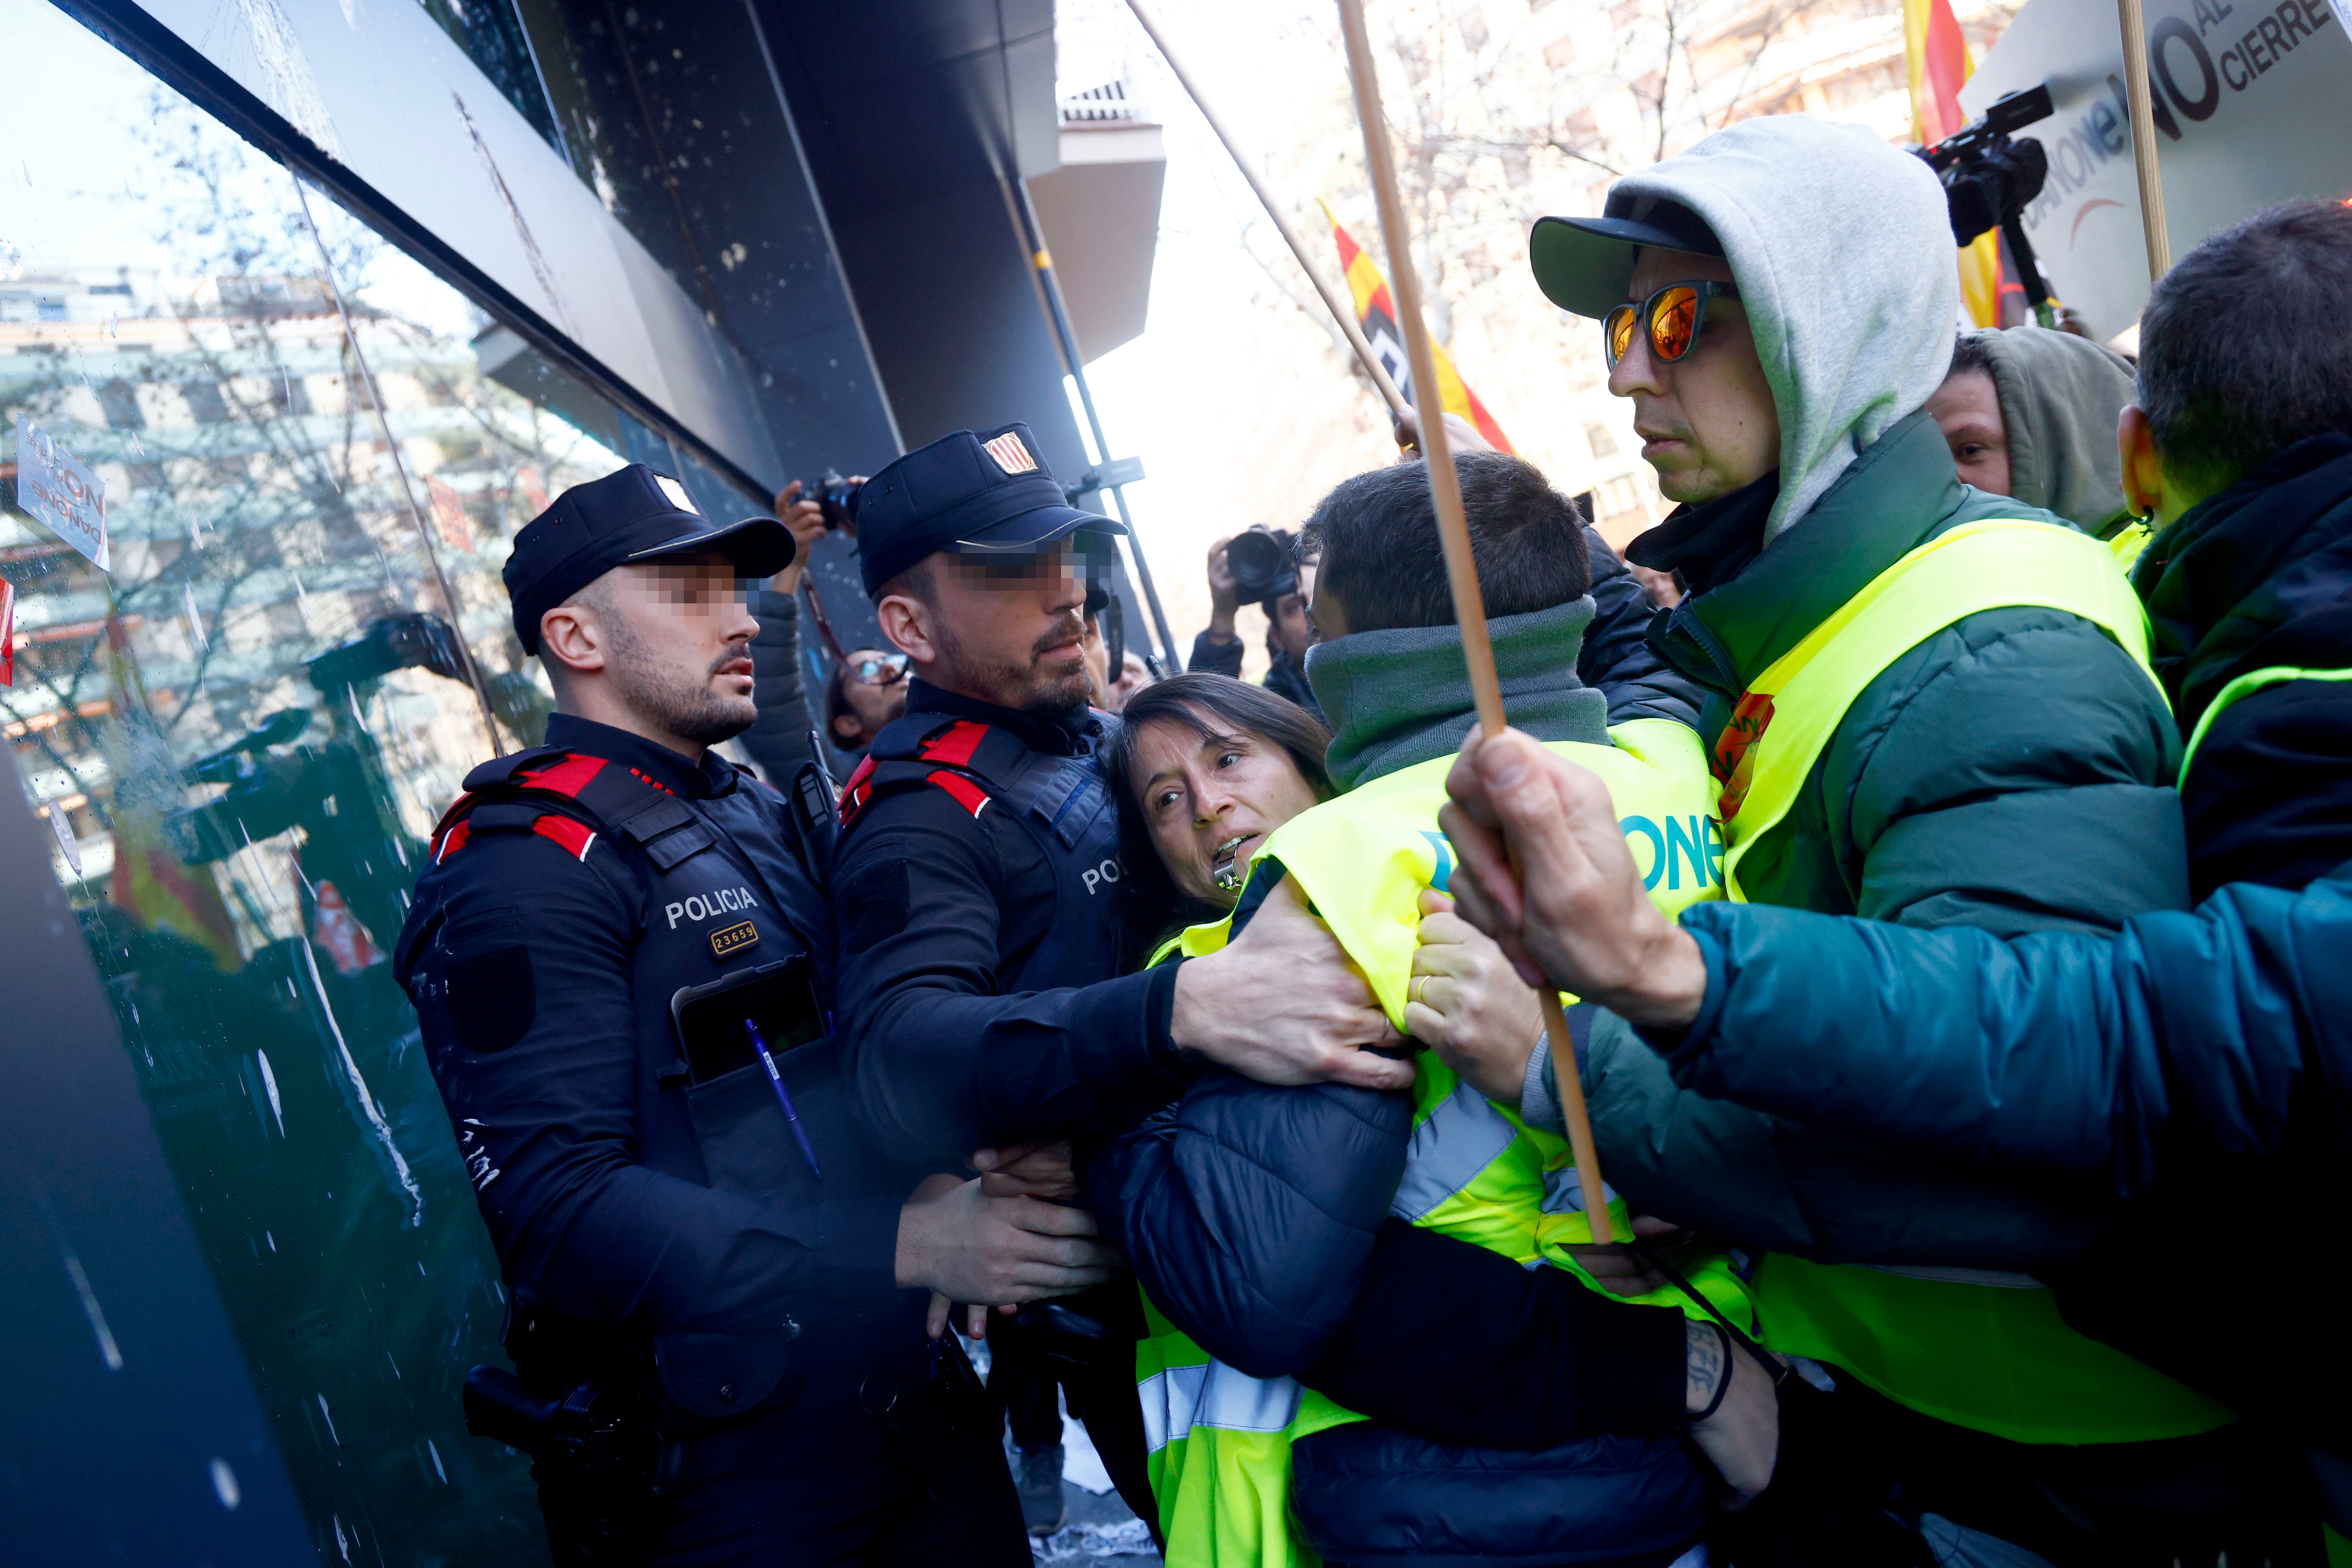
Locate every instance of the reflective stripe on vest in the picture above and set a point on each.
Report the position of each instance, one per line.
(2246, 686)
(1782, 722)
(1213, 1394)
(1983, 1354)
(1462, 1136)
(1219, 1440)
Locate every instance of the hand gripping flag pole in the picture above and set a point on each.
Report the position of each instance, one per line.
(1460, 569)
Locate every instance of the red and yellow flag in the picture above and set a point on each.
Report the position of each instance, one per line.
(1938, 57)
(1377, 316)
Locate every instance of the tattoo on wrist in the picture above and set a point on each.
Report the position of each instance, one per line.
(1707, 1370)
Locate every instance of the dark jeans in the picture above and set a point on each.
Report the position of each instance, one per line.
(823, 1481)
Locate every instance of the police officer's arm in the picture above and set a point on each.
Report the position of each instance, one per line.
(944, 1065)
(533, 1041)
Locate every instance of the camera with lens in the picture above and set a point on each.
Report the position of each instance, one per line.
(835, 497)
(1264, 564)
(1990, 180)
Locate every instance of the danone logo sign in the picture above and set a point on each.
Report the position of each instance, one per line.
(1685, 851)
(2247, 99)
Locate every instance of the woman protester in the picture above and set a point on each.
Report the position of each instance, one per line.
(1250, 1214)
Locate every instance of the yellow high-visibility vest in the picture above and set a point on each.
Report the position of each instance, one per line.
(1982, 1350)
(1218, 1439)
(2246, 685)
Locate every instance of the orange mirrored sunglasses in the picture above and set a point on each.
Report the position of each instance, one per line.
(1674, 314)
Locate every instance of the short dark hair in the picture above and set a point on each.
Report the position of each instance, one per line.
(1971, 351)
(1208, 705)
(1377, 537)
(2246, 344)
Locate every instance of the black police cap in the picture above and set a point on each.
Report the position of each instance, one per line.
(985, 491)
(635, 514)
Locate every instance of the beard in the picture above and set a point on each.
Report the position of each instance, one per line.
(1022, 686)
(678, 702)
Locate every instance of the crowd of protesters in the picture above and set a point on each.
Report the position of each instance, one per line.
(1945, 876)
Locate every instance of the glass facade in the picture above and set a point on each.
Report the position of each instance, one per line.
(314, 456)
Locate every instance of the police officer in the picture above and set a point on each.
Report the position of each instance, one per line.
(976, 887)
(718, 1286)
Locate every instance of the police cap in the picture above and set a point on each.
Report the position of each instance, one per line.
(985, 491)
(635, 514)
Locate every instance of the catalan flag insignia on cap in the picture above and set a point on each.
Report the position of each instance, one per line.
(1010, 453)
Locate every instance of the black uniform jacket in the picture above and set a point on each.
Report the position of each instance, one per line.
(522, 954)
(980, 990)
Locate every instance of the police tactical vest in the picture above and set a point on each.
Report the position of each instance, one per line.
(1220, 1441)
(1979, 1349)
(713, 911)
(1064, 804)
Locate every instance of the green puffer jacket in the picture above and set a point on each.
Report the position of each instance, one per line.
(2012, 772)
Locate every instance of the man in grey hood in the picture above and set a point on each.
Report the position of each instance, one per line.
(2031, 412)
(1928, 705)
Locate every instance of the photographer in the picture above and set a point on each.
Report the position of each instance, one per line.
(1270, 575)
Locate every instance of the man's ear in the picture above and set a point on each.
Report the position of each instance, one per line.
(906, 620)
(2143, 469)
(573, 638)
(845, 727)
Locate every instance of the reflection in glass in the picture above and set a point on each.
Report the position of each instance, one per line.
(248, 728)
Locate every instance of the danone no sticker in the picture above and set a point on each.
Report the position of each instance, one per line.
(1691, 845)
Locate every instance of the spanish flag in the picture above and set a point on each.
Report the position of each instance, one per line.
(1377, 316)
(1939, 57)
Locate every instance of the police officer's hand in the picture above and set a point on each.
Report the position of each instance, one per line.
(1281, 1003)
(1573, 909)
(1031, 1169)
(1467, 1004)
(957, 1240)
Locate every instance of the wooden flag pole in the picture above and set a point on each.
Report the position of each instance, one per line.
(1460, 569)
(1341, 312)
(2143, 127)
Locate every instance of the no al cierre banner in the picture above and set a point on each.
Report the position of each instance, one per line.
(2250, 107)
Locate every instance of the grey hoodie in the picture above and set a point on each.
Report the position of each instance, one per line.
(2060, 398)
(1843, 254)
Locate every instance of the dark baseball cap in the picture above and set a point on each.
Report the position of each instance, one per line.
(977, 493)
(634, 515)
(1586, 264)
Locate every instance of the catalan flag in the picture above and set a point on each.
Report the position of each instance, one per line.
(1938, 53)
(1377, 316)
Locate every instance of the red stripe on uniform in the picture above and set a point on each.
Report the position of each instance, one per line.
(573, 835)
(452, 841)
(566, 778)
(968, 794)
(955, 745)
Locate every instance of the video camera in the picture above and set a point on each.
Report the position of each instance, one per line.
(1988, 181)
(835, 497)
(1264, 564)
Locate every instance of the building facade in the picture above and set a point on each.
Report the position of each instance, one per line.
(329, 297)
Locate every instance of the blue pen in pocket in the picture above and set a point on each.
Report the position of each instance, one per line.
(784, 1098)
